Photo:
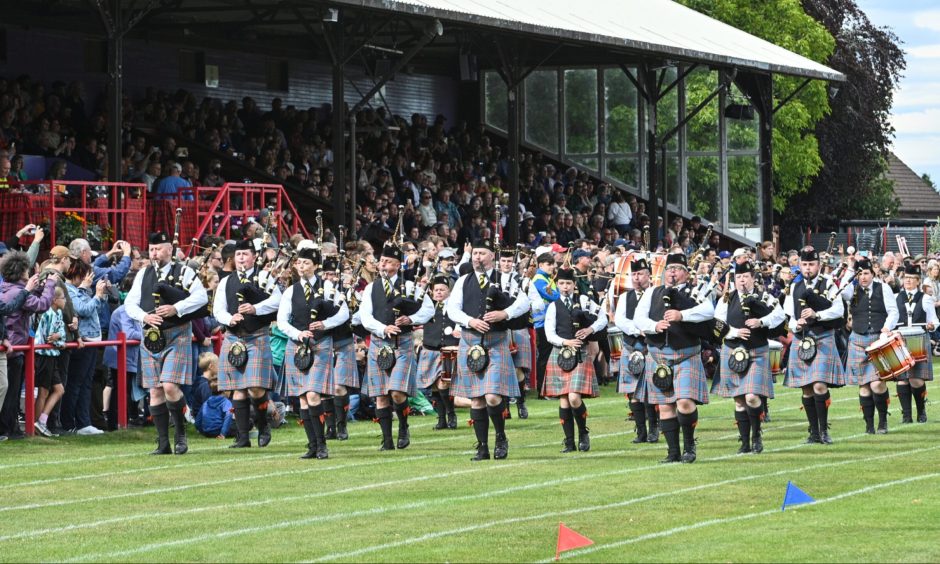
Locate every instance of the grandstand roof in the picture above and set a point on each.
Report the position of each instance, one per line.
(660, 27)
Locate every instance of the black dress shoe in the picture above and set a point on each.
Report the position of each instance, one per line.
(483, 452)
(404, 438)
(812, 439)
(869, 428)
(342, 433)
(569, 446)
(653, 436)
(905, 419)
(311, 453)
(745, 449)
(584, 441)
(322, 452)
(452, 420)
(824, 438)
(181, 446)
(757, 445)
(162, 448)
(242, 441)
(670, 458)
(523, 410)
(502, 448)
(441, 424)
(922, 417)
(387, 445)
(640, 439)
(882, 427)
(264, 437)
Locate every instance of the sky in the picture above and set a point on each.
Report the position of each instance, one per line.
(916, 112)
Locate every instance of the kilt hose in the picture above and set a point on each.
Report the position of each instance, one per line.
(345, 369)
(258, 372)
(499, 378)
(628, 383)
(522, 359)
(558, 383)
(859, 370)
(826, 367)
(319, 377)
(757, 380)
(401, 378)
(174, 364)
(689, 380)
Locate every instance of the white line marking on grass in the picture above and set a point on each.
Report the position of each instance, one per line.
(617, 504)
(426, 503)
(724, 520)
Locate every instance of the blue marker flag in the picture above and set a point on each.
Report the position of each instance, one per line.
(795, 496)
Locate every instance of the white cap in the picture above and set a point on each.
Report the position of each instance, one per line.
(306, 244)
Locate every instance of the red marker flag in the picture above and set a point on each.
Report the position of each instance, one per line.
(569, 540)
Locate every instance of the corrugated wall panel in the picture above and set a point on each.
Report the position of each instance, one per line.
(53, 56)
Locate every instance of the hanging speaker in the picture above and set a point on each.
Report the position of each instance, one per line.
(468, 68)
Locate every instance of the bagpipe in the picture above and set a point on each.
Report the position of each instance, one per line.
(712, 331)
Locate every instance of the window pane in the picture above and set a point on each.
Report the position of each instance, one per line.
(672, 177)
(495, 101)
(623, 169)
(742, 133)
(541, 109)
(704, 186)
(702, 129)
(744, 196)
(667, 110)
(589, 162)
(581, 112)
(620, 106)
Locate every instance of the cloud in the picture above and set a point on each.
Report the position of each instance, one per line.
(925, 51)
(916, 95)
(919, 153)
(923, 121)
(929, 19)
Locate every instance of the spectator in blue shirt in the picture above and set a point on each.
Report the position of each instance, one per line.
(80, 249)
(543, 284)
(169, 187)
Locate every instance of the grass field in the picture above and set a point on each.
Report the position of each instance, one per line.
(103, 498)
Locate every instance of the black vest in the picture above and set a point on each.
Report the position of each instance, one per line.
(868, 314)
(679, 336)
(919, 315)
(383, 308)
(434, 330)
(474, 301)
(632, 298)
(251, 294)
(800, 291)
(148, 285)
(302, 310)
(736, 319)
(564, 320)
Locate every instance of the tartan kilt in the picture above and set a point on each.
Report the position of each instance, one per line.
(558, 383)
(825, 368)
(523, 357)
(729, 384)
(402, 377)
(628, 383)
(430, 367)
(924, 368)
(318, 378)
(345, 369)
(499, 378)
(174, 364)
(689, 379)
(258, 372)
(859, 370)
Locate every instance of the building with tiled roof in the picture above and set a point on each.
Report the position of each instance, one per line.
(919, 200)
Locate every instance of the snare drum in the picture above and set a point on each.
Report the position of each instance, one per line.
(448, 363)
(890, 356)
(917, 342)
(776, 357)
(615, 339)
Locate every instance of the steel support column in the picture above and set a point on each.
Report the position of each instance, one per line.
(339, 128)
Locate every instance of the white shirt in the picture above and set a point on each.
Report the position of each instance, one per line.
(455, 303)
(196, 299)
(835, 311)
(550, 321)
(621, 320)
(772, 319)
(641, 318)
(891, 304)
(220, 304)
(375, 326)
(286, 309)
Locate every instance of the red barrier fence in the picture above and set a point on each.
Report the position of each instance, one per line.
(107, 210)
(29, 372)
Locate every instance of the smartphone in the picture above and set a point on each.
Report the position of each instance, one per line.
(863, 253)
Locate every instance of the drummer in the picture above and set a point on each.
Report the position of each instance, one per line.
(874, 315)
(440, 334)
(632, 383)
(917, 310)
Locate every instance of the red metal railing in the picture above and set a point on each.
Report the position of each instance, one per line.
(118, 208)
(29, 373)
(219, 210)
